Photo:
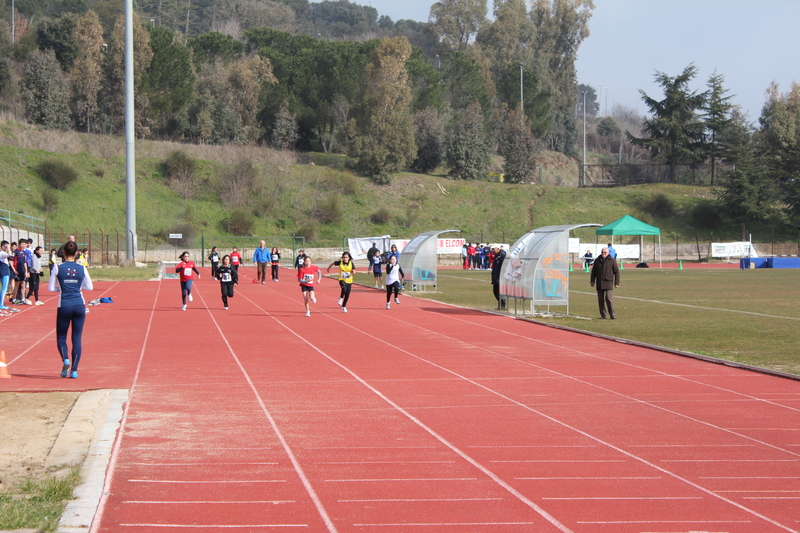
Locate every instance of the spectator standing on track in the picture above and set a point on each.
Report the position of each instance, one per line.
(60, 253)
(214, 258)
(187, 269)
(346, 270)
(464, 257)
(69, 279)
(35, 276)
(611, 251)
(227, 279)
(471, 256)
(372, 252)
(262, 257)
(377, 270)
(605, 273)
(21, 266)
(394, 276)
(236, 259)
(5, 271)
(497, 266)
(306, 278)
(300, 260)
(275, 259)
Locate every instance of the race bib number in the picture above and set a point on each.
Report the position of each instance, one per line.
(235, 260)
(308, 278)
(226, 277)
(345, 275)
(187, 272)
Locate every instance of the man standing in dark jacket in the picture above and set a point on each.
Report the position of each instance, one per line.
(500, 254)
(605, 273)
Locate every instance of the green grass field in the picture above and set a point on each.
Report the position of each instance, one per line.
(750, 317)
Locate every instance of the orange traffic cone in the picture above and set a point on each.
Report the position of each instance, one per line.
(3, 366)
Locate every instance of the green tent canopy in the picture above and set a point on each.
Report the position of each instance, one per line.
(628, 225)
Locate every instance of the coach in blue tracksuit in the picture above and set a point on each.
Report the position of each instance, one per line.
(262, 257)
(69, 278)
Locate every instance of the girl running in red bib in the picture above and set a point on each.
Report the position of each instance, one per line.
(227, 279)
(187, 269)
(306, 278)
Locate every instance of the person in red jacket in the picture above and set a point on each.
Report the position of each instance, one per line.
(187, 269)
(471, 256)
(236, 259)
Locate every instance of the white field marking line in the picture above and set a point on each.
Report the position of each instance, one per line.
(692, 446)
(199, 464)
(494, 477)
(572, 428)
(287, 449)
(695, 306)
(216, 526)
(384, 462)
(591, 478)
(670, 522)
(448, 524)
(205, 502)
(626, 498)
(49, 333)
(423, 500)
(771, 497)
(370, 480)
(112, 464)
(729, 460)
(537, 447)
(561, 461)
(207, 481)
(594, 356)
(370, 448)
(749, 477)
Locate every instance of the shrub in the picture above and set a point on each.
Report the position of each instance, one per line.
(238, 183)
(381, 216)
(705, 215)
(329, 210)
(348, 183)
(178, 164)
(240, 221)
(49, 200)
(284, 133)
(57, 173)
(307, 230)
(659, 206)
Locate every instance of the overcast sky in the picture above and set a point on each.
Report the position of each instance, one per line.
(751, 43)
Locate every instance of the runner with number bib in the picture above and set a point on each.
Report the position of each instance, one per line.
(227, 279)
(187, 269)
(306, 278)
(346, 270)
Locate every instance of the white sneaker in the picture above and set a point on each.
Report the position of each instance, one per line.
(190, 297)
(344, 309)
(313, 300)
(308, 313)
(39, 302)
(376, 285)
(183, 308)
(383, 286)
(226, 308)
(388, 306)
(397, 301)
(340, 301)
(27, 302)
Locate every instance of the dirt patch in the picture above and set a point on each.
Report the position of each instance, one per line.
(31, 423)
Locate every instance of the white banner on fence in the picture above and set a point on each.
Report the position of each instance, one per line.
(624, 251)
(733, 249)
(361, 245)
(443, 246)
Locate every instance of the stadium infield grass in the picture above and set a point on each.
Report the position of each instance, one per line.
(750, 317)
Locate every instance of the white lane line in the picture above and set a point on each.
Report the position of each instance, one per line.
(207, 481)
(447, 524)
(384, 462)
(582, 498)
(695, 306)
(494, 477)
(667, 522)
(692, 446)
(371, 480)
(200, 464)
(749, 477)
(423, 500)
(557, 447)
(771, 498)
(216, 526)
(591, 478)
(560, 461)
(98, 516)
(206, 502)
(564, 424)
(728, 460)
(287, 449)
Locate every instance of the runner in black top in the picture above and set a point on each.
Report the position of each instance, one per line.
(227, 277)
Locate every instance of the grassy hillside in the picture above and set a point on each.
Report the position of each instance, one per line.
(314, 195)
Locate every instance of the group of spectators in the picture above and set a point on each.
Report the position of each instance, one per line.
(262, 257)
(478, 256)
(21, 270)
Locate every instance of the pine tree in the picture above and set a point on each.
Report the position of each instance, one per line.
(467, 152)
(44, 91)
(87, 73)
(716, 116)
(519, 148)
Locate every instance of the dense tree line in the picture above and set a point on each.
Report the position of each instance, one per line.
(333, 76)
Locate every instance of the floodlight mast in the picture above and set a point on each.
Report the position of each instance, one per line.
(130, 153)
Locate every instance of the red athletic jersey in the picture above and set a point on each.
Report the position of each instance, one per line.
(306, 275)
(186, 270)
(236, 258)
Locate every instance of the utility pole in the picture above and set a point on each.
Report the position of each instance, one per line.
(130, 139)
(521, 105)
(583, 167)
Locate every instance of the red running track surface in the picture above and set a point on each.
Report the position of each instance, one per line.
(424, 417)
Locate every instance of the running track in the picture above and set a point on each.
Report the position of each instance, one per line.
(424, 417)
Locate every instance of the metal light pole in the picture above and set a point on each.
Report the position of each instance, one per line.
(599, 99)
(583, 166)
(130, 153)
(13, 24)
(605, 113)
(521, 105)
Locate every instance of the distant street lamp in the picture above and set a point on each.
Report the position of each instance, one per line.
(521, 106)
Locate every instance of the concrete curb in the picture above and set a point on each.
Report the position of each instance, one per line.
(88, 436)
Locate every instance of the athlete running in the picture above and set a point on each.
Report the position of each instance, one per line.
(187, 269)
(227, 279)
(306, 278)
(346, 270)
